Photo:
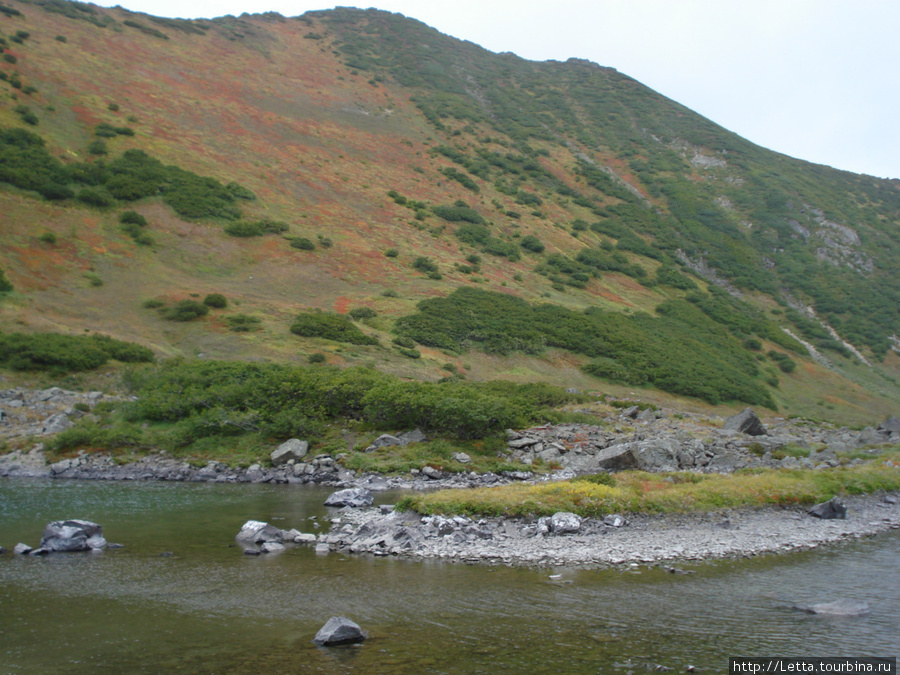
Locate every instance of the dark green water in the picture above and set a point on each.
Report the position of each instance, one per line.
(209, 609)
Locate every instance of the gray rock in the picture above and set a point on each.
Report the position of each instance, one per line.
(564, 522)
(383, 441)
(614, 520)
(354, 497)
(414, 436)
(22, 549)
(339, 630)
(631, 412)
(432, 473)
(258, 532)
(838, 608)
(55, 423)
(830, 510)
(746, 422)
(462, 457)
(322, 548)
(72, 535)
(891, 425)
(272, 547)
(292, 449)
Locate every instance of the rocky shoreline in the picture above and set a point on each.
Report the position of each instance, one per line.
(613, 541)
(650, 440)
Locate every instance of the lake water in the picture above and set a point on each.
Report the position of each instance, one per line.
(209, 609)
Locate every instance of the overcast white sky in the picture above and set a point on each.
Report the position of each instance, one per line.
(814, 79)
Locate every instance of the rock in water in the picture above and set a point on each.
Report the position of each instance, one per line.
(258, 532)
(339, 631)
(830, 510)
(747, 422)
(72, 535)
(838, 608)
(354, 497)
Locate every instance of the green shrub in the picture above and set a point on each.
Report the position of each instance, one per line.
(5, 285)
(66, 353)
(242, 323)
(317, 357)
(185, 310)
(93, 197)
(238, 191)
(360, 313)
(153, 303)
(93, 279)
(784, 362)
(133, 217)
(61, 38)
(114, 107)
(9, 58)
(97, 147)
(331, 327)
(48, 238)
(532, 243)
(392, 253)
(303, 244)
(216, 300)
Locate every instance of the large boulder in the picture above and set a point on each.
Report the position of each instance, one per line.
(354, 497)
(830, 510)
(292, 449)
(72, 535)
(564, 522)
(258, 532)
(55, 424)
(746, 422)
(339, 630)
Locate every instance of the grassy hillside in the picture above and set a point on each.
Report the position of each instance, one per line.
(468, 213)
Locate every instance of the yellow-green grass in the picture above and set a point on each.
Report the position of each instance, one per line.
(641, 492)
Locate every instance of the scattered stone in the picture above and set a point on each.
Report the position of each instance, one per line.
(353, 497)
(414, 436)
(830, 510)
(322, 548)
(615, 520)
(461, 457)
(72, 535)
(305, 539)
(292, 449)
(272, 547)
(339, 630)
(56, 423)
(22, 549)
(252, 551)
(746, 422)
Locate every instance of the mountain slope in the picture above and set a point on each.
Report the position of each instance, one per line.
(391, 164)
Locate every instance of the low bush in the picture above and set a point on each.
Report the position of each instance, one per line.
(360, 313)
(242, 323)
(303, 244)
(331, 327)
(185, 310)
(215, 300)
(5, 284)
(66, 353)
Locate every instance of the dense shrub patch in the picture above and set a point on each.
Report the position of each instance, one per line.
(331, 327)
(66, 353)
(680, 351)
